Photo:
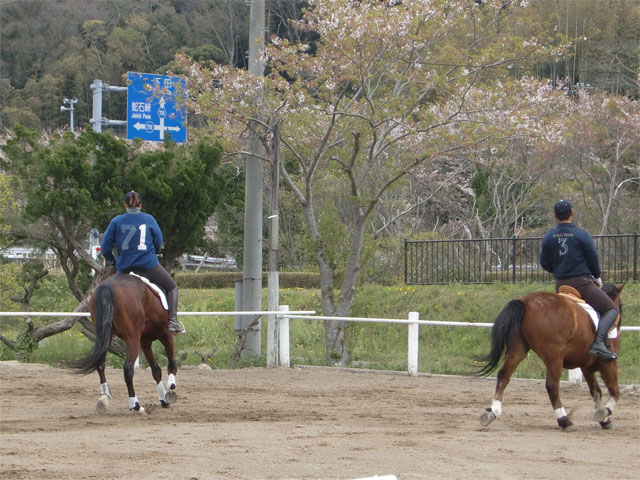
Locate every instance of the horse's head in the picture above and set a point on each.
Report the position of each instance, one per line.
(612, 290)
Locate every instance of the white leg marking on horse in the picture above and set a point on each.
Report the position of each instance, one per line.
(560, 412)
(496, 407)
(171, 381)
(611, 404)
(133, 401)
(104, 390)
(161, 391)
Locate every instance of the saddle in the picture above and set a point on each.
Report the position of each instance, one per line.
(573, 295)
(155, 289)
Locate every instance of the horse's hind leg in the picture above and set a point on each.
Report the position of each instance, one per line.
(130, 358)
(554, 372)
(512, 359)
(156, 372)
(105, 394)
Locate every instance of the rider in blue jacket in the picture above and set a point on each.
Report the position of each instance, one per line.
(570, 254)
(137, 238)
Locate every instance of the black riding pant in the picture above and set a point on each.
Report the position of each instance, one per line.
(591, 293)
(159, 276)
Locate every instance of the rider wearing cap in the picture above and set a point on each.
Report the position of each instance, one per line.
(137, 238)
(570, 254)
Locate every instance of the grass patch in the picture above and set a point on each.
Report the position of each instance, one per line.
(443, 350)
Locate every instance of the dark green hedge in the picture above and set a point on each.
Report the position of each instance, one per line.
(227, 280)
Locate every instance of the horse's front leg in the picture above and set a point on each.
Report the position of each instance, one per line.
(172, 367)
(130, 358)
(552, 384)
(163, 395)
(105, 394)
(609, 374)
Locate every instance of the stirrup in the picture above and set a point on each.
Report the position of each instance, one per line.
(177, 328)
(603, 352)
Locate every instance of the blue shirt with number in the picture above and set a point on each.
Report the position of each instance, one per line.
(137, 238)
(568, 251)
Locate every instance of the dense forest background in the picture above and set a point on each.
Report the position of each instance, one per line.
(54, 49)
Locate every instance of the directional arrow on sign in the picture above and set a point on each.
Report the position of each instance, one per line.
(143, 126)
(150, 127)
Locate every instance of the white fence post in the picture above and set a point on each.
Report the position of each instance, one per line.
(413, 341)
(283, 331)
(575, 376)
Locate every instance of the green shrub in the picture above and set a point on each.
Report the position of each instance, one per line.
(228, 279)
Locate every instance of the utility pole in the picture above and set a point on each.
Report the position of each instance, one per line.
(252, 274)
(272, 271)
(71, 102)
(97, 121)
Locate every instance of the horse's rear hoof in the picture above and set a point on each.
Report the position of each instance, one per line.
(608, 425)
(601, 414)
(170, 397)
(164, 404)
(566, 424)
(102, 405)
(486, 418)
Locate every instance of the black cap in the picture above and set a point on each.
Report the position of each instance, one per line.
(562, 208)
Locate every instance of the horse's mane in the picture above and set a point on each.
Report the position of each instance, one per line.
(611, 290)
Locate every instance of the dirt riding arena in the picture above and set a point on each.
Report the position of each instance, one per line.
(310, 423)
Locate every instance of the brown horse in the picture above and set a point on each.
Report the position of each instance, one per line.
(123, 305)
(560, 332)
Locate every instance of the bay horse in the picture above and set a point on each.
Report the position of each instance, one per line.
(560, 332)
(125, 306)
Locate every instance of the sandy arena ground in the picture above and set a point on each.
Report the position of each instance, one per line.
(310, 423)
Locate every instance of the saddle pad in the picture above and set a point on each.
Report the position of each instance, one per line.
(154, 288)
(572, 294)
(595, 318)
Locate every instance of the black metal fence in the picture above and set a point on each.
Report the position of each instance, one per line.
(429, 262)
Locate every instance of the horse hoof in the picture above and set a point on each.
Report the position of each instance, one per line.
(164, 404)
(569, 428)
(486, 418)
(102, 405)
(601, 414)
(608, 425)
(170, 397)
(138, 409)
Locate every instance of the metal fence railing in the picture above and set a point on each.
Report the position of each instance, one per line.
(429, 262)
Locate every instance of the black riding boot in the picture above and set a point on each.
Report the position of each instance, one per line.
(599, 348)
(172, 302)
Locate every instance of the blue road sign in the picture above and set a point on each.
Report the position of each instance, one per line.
(153, 108)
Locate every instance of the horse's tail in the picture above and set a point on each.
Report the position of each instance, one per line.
(103, 313)
(507, 325)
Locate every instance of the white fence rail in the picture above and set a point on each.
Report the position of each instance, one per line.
(283, 315)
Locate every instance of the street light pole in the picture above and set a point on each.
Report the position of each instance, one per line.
(71, 102)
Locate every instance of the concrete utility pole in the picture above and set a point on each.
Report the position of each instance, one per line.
(71, 102)
(252, 274)
(272, 273)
